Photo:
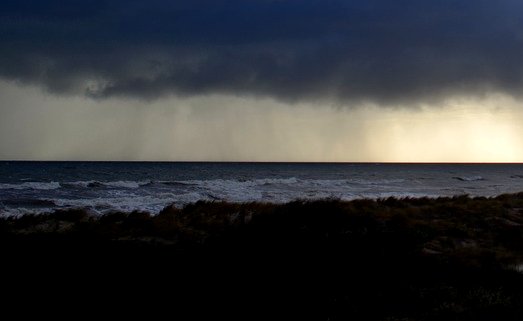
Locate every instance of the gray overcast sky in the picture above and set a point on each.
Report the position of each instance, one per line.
(286, 80)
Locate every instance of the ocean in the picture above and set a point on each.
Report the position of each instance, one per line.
(102, 187)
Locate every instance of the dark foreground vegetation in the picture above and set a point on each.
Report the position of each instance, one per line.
(409, 259)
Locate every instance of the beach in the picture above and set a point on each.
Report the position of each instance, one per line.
(447, 258)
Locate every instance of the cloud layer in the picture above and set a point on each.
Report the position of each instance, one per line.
(381, 51)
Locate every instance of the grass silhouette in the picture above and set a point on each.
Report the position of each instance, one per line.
(449, 258)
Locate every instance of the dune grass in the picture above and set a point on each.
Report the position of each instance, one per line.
(389, 259)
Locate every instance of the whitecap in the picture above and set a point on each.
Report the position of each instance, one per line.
(469, 178)
(32, 185)
(126, 184)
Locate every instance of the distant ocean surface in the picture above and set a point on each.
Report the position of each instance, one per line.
(101, 187)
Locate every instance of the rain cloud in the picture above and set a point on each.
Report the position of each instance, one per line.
(379, 51)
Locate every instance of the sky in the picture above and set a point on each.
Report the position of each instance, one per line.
(262, 80)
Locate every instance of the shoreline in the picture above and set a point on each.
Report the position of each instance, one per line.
(453, 258)
(213, 216)
(8, 212)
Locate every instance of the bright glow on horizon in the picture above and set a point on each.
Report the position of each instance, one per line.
(35, 125)
(462, 131)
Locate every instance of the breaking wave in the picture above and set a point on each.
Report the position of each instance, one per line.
(468, 178)
(152, 195)
(32, 185)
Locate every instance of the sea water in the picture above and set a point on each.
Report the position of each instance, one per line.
(102, 187)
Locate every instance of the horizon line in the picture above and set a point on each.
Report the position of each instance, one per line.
(262, 162)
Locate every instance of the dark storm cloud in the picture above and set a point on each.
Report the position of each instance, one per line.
(375, 50)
